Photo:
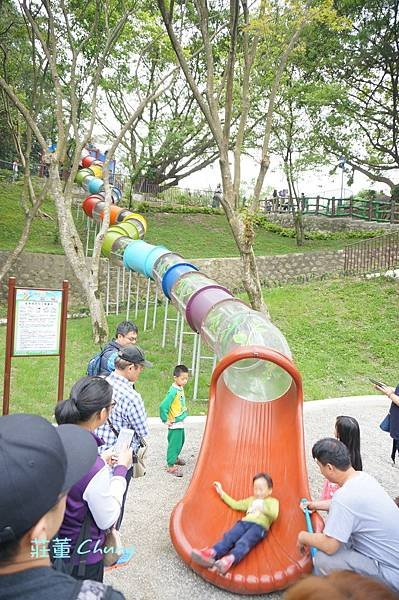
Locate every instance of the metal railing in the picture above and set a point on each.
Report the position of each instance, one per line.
(373, 255)
(382, 211)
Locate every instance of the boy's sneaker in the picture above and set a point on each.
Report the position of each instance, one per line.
(180, 462)
(174, 470)
(204, 557)
(224, 564)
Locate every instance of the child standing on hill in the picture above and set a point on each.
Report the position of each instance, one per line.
(173, 412)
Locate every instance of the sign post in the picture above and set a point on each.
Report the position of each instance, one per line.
(36, 326)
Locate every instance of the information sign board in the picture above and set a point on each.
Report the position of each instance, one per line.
(37, 322)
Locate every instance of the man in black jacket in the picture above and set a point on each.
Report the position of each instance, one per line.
(126, 334)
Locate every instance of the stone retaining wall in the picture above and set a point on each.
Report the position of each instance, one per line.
(49, 270)
(322, 223)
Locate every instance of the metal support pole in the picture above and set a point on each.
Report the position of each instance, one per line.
(136, 309)
(123, 285)
(179, 355)
(165, 322)
(154, 318)
(147, 300)
(197, 369)
(178, 317)
(129, 284)
(107, 291)
(194, 355)
(118, 279)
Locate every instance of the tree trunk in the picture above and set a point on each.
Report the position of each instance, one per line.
(87, 276)
(244, 234)
(299, 227)
(251, 280)
(296, 211)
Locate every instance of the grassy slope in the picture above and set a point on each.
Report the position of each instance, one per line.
(340, 333)
(192, 235)
(202, 236)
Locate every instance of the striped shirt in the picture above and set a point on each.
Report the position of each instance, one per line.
(129, 412)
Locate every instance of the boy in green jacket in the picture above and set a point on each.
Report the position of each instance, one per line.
(173, 411)
(261, 511)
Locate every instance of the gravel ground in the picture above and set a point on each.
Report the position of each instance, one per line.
(156, 572)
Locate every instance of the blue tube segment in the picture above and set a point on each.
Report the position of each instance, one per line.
(96, 185)
(141, 257)
(173, 274)
(117, 194)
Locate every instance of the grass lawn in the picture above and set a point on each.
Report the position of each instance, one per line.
(340, 332)
(192, 235)
(44, 231)
(204, 236)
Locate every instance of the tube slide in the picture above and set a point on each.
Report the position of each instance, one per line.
(255, 411)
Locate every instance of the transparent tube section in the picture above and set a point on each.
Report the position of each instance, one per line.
(232, 324)
(118, 249)
(98, 211)
(163, 264)
(186, 286)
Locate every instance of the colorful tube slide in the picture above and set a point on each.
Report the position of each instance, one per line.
(255, 410)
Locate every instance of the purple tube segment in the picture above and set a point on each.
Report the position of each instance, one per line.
(202, 301)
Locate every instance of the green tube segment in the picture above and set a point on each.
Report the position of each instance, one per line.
(128, 230)
(109, 238)
(81, 174)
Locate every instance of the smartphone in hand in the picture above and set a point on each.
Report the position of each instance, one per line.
(377, 383)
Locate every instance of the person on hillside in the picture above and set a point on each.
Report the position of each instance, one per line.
(15, 169)
(217, 196)
(129, 410)
(126, 334)
(348, 431)
(97, 497)
(39, 463)
(304, 203)
(261, 511)
(362, 528)
(173, 412)
(393, 395)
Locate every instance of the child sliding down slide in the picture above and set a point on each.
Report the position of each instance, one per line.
(261, 511)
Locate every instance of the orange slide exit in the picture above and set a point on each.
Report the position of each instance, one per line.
(242, 438)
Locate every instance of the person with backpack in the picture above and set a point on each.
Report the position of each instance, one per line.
(103, 363)
(94, 502)
(39, 463)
